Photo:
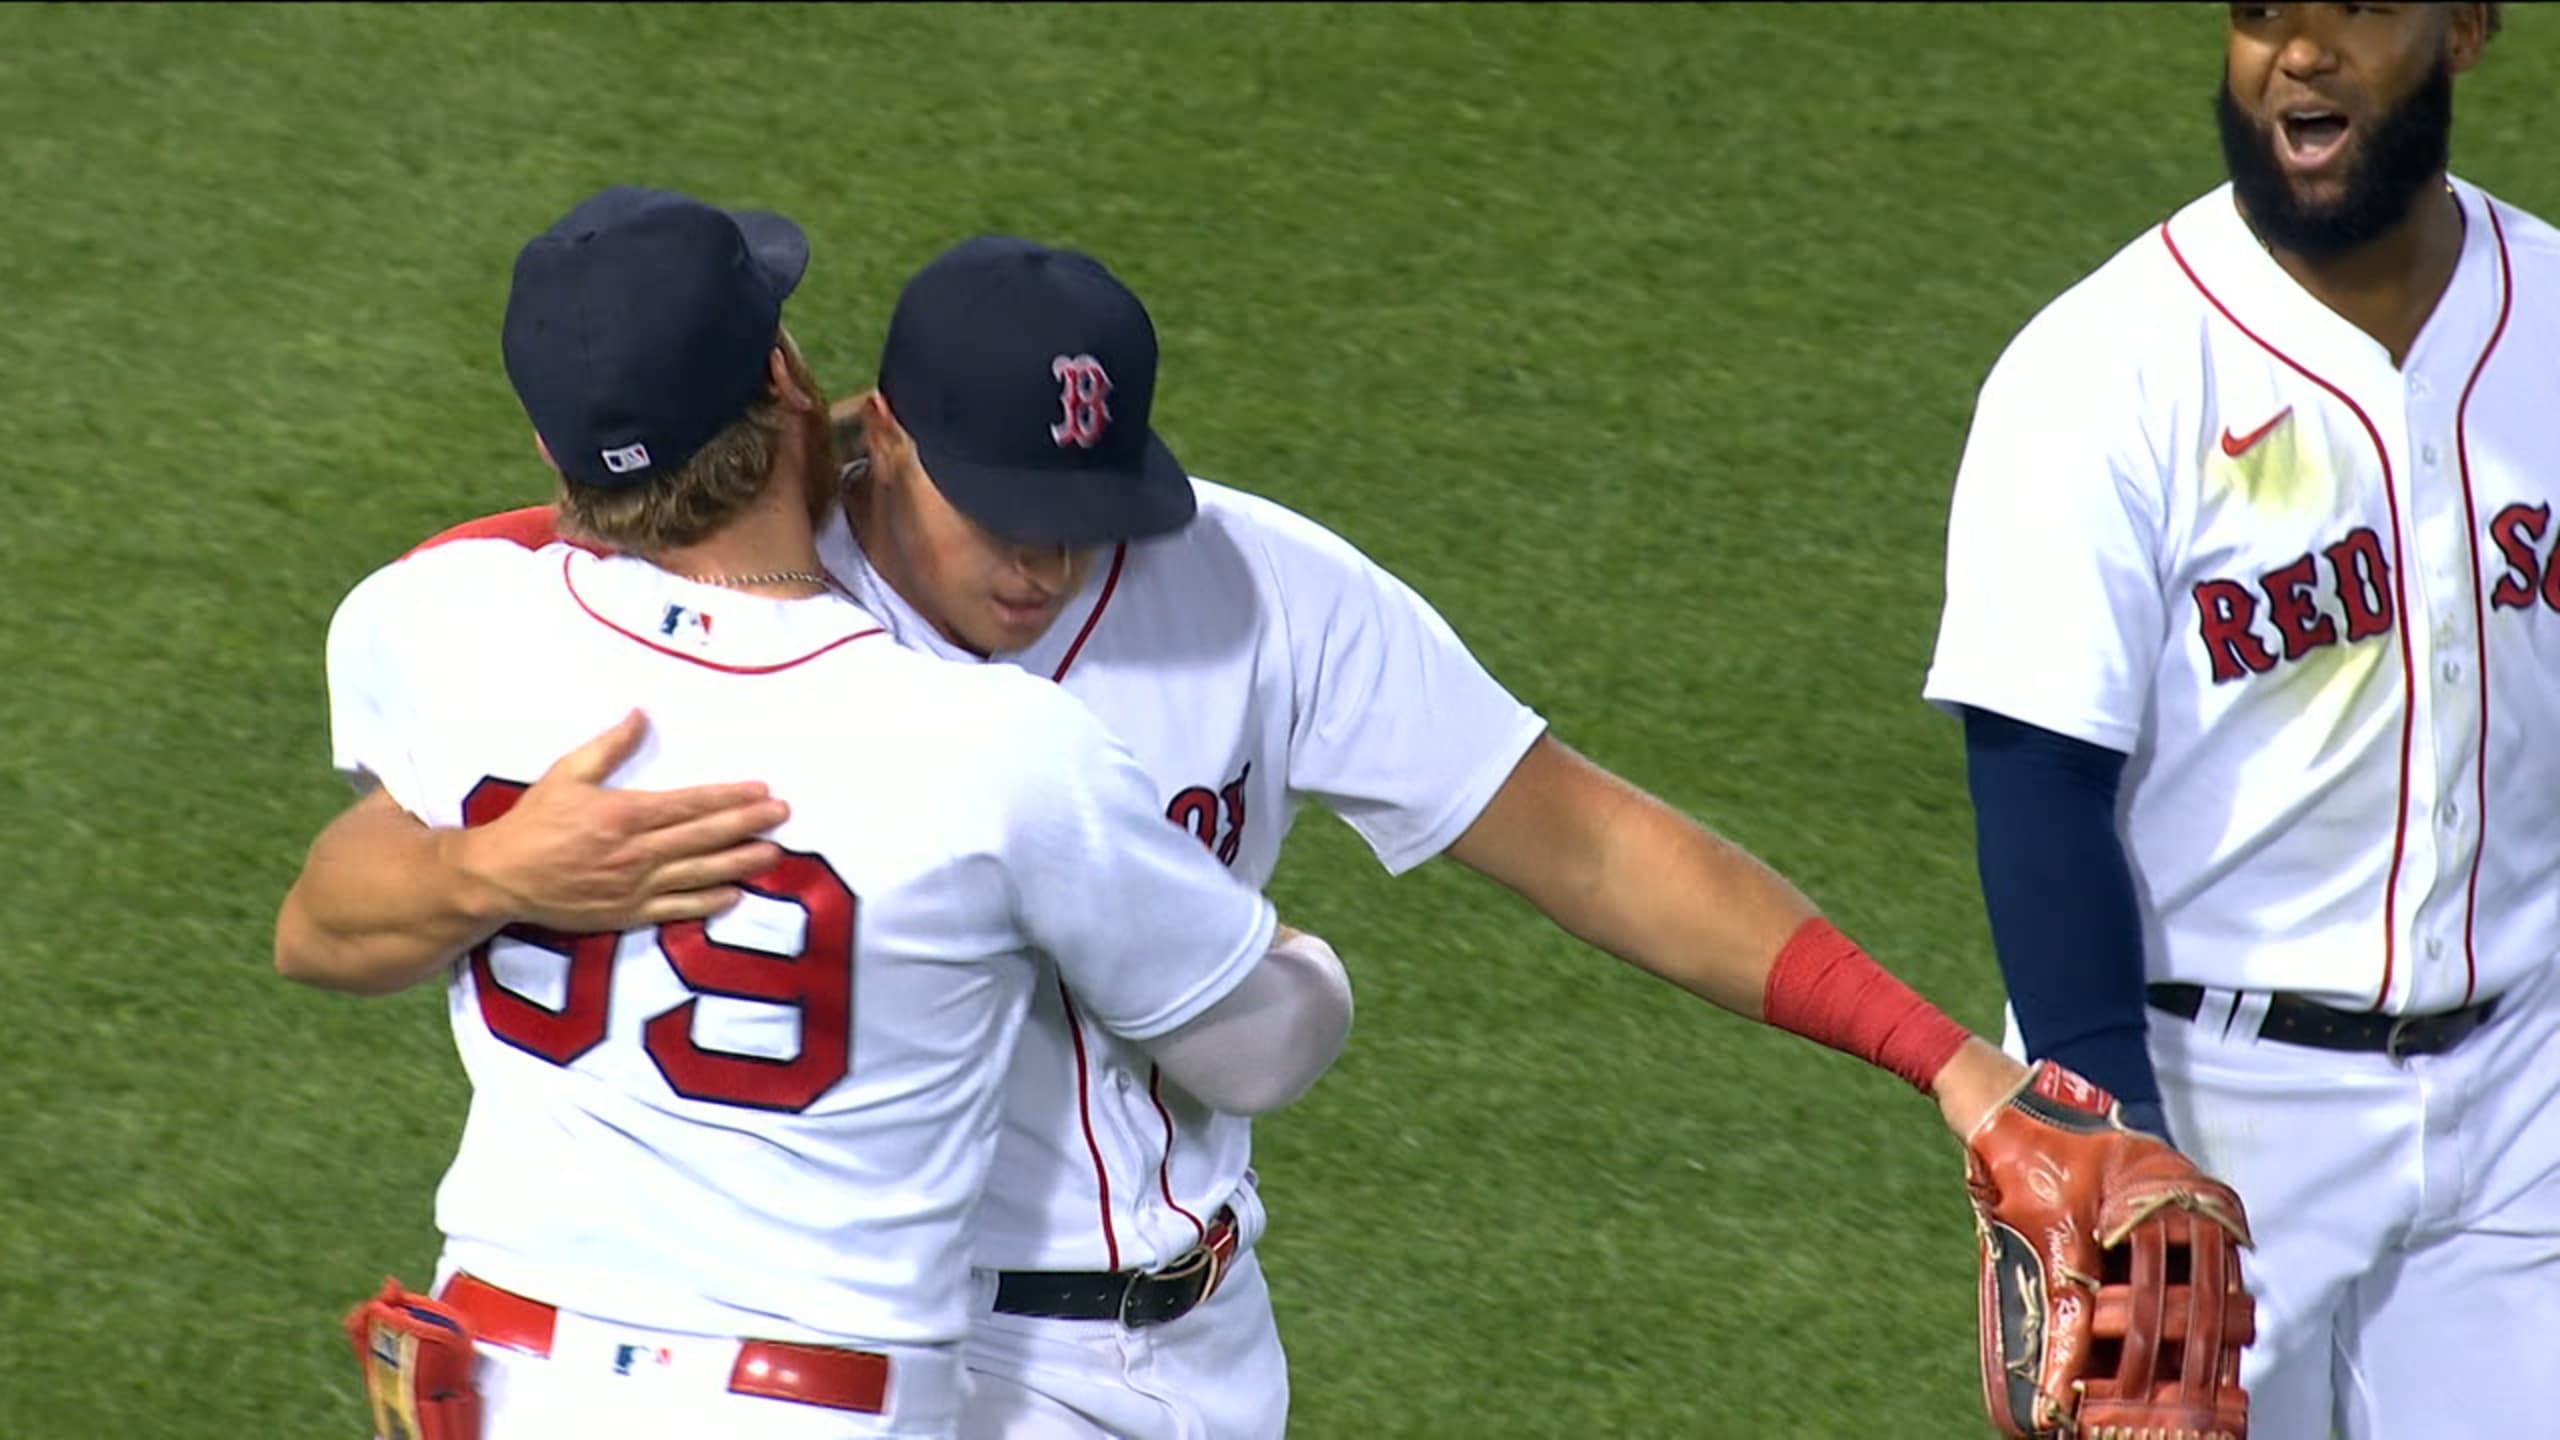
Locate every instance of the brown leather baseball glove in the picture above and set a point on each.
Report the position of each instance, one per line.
(2112, 1305)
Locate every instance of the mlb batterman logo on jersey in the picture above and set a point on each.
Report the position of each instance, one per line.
(683, 622)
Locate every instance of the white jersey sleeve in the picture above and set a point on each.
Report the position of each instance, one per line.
(1144, 925)
(1397, 727)
(2054, 612)
(369, 709)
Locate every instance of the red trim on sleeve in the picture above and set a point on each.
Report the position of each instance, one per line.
(2400, 608)
(2479, 620)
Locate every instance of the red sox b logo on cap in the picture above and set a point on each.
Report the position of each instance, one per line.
(1082, 386)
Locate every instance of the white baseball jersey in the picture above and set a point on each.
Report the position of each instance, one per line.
(1253, 660)
(2205, 521)
(778, 1123)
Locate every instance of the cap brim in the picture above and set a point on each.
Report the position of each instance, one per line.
(778, 244)
(1068, 507)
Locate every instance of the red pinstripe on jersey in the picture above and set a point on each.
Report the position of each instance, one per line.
(2400, 606)
(1164, 1164)
(1075, 1022)
(1102, 602)
(1084, 1111)
(642, 640)
(2479, 621)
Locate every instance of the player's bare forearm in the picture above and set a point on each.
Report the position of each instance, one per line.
(385, 901)
(382, 903)
(1630, 875)
(1622, 871)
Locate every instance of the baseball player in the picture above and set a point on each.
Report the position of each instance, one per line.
(1015, 507)
(716, 1174)
(2249, 619)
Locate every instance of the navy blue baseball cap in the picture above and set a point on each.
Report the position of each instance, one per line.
(1026, 376)
(638, 328)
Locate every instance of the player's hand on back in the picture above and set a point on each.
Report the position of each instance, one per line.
(576, 856)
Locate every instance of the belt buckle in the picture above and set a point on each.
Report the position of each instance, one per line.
(2401, 1028)
(1189, 1263)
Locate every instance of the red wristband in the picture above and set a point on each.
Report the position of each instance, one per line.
(1826, 989)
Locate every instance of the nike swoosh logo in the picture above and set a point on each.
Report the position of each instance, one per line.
(2234, 446)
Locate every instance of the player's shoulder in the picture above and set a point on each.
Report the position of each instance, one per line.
(2533, 243)
(1262, 532)
(999, 732)
(483, 565)
(969, 705)
(509, 541)
(986, 742)
(1243, 564)
(1226, 507)
(2132, 310)
(531, 528)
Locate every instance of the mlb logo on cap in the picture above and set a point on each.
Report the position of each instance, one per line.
(627, 459)
(1026, 377)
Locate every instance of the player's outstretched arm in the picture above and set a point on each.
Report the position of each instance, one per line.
(2054, 1178)
(1629, 874)
(385, 901)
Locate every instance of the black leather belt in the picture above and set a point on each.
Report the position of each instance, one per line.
(1135, 1298)
(2298, 1021)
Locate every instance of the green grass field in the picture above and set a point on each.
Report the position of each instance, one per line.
(1640, 339)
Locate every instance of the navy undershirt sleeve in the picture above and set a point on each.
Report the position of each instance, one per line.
(2059, 894)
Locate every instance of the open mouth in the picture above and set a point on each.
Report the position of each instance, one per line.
(2310, 137)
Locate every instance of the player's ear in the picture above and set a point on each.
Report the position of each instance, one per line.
(544, 450)
(2466, 32)
(785, 384)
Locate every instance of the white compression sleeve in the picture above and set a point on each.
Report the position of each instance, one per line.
(1263, 1045)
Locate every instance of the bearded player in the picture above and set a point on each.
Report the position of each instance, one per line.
(2251, 620)
(1017, 508)
(716, 1176)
